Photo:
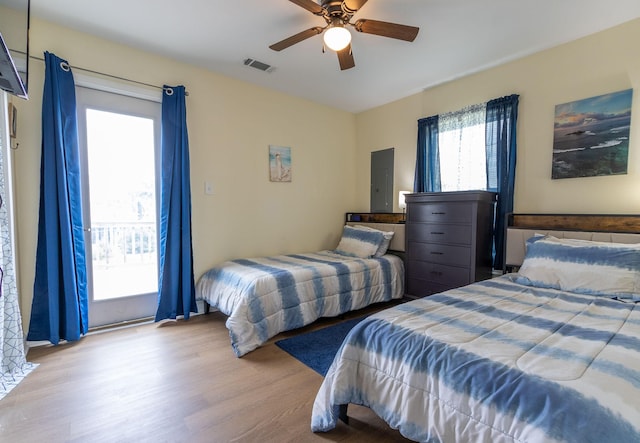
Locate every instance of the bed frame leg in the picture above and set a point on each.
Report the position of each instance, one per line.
(342, 415)
(206, 306)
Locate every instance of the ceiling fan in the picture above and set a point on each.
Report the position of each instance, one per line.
(338, 14)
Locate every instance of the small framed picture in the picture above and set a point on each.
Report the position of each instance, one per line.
(279, 163)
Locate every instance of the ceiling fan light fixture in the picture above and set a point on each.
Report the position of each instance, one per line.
(337, 38)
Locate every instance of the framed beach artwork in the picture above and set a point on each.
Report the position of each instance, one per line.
(279, 163)
(591, 136)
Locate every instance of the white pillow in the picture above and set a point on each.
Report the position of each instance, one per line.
(582, 266)
(387, 236)
(359, 242)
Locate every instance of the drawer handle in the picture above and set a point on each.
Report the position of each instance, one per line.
(437, 233)
(438, 273)
(437, 253)
(438, 213)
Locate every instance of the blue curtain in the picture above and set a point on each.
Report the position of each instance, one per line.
(427, 174)
(176, 294)
(501, 120)
(59, 308)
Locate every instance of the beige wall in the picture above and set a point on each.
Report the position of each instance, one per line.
(231, 125)
(601, 63)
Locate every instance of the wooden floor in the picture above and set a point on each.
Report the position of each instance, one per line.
(174, 382)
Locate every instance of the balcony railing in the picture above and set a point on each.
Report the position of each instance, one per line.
(119, 243)
(124, 259)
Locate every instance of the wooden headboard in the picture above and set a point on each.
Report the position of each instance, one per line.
(605, 228)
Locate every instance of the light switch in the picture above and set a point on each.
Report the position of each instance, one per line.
(208, 188)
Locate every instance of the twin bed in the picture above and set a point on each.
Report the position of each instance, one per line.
(268, 295)
(550, 353)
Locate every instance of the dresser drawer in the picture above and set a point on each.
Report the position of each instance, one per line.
(441, 213)
(446, 275)
(442, 254)
(439, 233)
(421, 288)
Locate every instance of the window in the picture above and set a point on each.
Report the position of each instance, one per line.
(472, 149)
(461, 144)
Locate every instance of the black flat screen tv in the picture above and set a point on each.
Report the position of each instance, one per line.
(14, 46)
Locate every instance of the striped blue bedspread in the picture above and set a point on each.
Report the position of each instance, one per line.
(494, 362)
(265, 296)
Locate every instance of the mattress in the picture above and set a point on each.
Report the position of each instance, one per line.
(265, 296)
(495, 361)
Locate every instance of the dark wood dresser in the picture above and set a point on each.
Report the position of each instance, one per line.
(448, 240)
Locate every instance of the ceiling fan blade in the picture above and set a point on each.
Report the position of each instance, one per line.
(345, 58)
(297, 38)
(309, 5)
(386, 29)
(353, 5)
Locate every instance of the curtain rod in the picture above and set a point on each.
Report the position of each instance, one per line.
(101, 73)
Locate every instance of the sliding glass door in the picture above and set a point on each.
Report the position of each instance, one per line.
(120, 140)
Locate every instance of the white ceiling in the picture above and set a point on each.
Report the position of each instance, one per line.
(456, 37)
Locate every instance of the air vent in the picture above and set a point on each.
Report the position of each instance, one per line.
(259, 65)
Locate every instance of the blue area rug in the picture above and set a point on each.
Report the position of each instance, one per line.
(317, 349)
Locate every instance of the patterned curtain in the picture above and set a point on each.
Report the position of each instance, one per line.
(13, 364)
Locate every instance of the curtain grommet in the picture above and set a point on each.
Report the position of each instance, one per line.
(168, 91)
(65, 66)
